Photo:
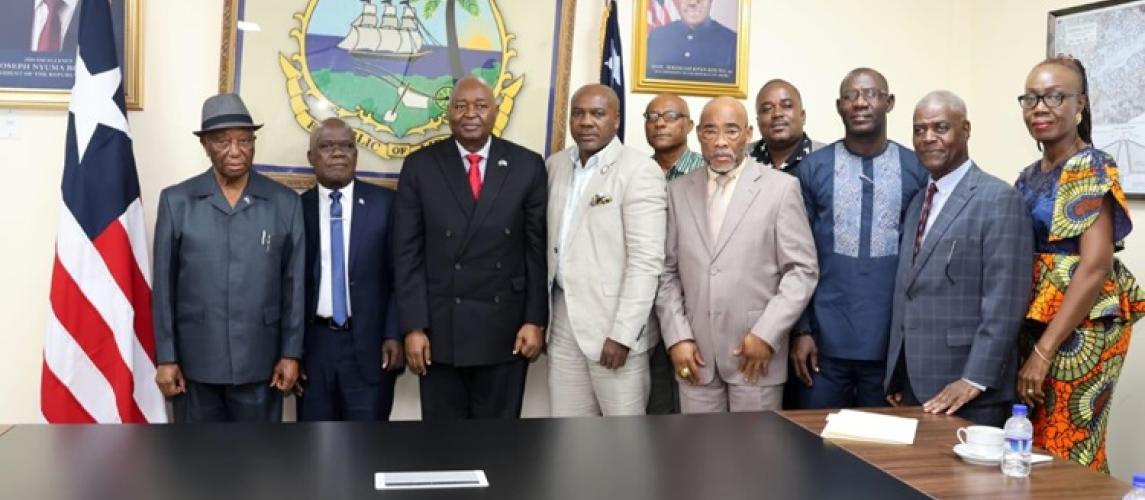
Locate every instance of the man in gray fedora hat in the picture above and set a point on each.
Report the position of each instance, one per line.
(228, 282)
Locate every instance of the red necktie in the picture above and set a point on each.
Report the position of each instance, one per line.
(50, 34)
(474, 174)
(930, 190)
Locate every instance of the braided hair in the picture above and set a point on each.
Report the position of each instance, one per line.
(1085, 127)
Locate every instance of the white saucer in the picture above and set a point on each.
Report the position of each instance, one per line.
(963, 452)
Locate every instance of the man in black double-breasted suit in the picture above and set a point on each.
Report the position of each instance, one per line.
(470, 263)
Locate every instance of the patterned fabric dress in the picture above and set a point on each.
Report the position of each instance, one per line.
(1064, 203)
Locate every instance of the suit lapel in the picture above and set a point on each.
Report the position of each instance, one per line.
(495, 175)
(358, 219)
(954, 205)
(745, 192)
(698, 201)
(310, 220)
(452, 168)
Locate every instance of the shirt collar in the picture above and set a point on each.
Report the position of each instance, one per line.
(763, 155)
(484, 151)
(574, 154)
(347, 191)
(949, 181)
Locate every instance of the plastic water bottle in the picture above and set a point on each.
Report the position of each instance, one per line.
(1019, 432)
(1138, 491)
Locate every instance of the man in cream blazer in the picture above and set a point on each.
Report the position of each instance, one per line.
(740, 268)
(606, 220)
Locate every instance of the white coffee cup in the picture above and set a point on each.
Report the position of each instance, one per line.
(981, 440)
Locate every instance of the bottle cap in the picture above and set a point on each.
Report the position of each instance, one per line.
(1020, 410)
(1139, 480)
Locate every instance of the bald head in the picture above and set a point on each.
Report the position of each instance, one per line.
(724, 133)
(941, 132)
(858, 72)
(332, 124)
(598, 90)
(939, 98)
(472, 113)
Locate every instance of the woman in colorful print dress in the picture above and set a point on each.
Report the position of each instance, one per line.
(1077, 330)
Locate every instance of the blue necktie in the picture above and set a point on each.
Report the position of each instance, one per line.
(337, 260)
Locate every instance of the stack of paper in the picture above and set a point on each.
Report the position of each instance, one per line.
(871, 427)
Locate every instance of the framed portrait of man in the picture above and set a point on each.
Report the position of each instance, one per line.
(38, 50)
(691, 47)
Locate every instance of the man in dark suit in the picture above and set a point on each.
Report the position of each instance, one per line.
(227, 295)
(470, 263)
(963, 281)
(41, 26)
(353, 349)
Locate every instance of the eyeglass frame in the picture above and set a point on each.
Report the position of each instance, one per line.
(715, 132)
(869, 93)
(1060, 97)
(668, 116)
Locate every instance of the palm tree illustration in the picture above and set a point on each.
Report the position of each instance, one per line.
(429, 7)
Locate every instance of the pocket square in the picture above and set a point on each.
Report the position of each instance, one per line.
(600, 199)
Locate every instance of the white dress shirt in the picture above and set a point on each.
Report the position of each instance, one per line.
(325, 283)
(67, 8)
(581, 173)
(484, 152)
(946, 186)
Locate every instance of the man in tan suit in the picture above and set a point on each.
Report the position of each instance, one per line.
(606, 220)
(740, 267)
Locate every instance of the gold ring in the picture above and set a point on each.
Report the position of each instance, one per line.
(684, 372)
(1029, 391)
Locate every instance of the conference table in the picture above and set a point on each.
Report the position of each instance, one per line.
(694, 457)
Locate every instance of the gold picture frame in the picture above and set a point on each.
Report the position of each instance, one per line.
(38, 97)
(286, 96)
(669, 67)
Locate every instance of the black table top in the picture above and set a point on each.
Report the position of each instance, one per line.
(687, 457)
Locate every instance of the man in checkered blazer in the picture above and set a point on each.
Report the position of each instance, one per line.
(959, 301)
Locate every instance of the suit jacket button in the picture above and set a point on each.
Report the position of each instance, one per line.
(496, 299)
(715, 272)
(457, 266)
(351, 283)
(498, 266)
(457, 300)
(508, 232)
(448, 233)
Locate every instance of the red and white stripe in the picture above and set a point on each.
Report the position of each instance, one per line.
(661, 12)
(99, 363)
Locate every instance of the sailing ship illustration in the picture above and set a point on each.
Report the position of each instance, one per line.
(389, 37)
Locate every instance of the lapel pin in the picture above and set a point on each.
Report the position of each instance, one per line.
(246, 199)
(361, 201)
(600, 199)
(502, 163)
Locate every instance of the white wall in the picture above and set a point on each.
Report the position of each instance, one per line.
(979, 49)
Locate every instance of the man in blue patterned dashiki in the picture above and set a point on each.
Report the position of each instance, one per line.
(855, 191)
(667, 123)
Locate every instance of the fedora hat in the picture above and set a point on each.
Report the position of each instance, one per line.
(225, 111)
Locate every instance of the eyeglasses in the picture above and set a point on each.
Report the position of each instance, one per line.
(327, 148)
(668, 116)
(868, 94)
(711, 133)
(1052, 100)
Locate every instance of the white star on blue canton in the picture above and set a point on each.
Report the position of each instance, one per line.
(613, 64)
(93, 103)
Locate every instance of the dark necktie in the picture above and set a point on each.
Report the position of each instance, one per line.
(337, 260)
(922, 218)
(474, 174)
(50, 33)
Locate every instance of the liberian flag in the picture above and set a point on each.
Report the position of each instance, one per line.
(661, 12)
(99, 350)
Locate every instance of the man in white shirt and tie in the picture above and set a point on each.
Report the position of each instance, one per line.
(352, 348)
(41, 26)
